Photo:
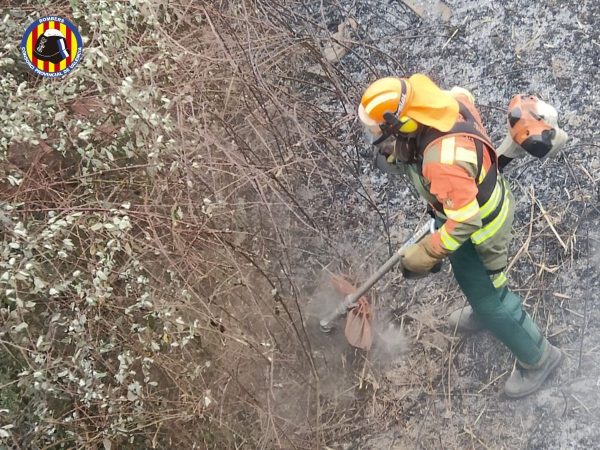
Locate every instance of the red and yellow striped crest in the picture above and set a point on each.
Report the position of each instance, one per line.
(52, 46)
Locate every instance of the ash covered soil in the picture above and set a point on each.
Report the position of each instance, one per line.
(446, 390)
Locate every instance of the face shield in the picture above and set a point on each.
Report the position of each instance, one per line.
(383, 151)
(372, 130)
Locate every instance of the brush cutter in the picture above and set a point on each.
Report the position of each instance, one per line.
(358, 325)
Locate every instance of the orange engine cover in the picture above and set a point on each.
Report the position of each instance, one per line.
(527, 127)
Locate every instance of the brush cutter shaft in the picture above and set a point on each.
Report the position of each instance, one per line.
(351, 299)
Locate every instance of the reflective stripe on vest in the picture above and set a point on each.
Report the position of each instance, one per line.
(491, 205)
(489, 230)
(463, 214)
(448, 241)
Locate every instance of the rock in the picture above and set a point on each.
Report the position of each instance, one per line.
(430, 9)
(338, 45)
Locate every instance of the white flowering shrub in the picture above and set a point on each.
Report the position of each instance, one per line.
(147, 208)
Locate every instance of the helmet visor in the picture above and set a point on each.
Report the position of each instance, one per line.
(372, 130)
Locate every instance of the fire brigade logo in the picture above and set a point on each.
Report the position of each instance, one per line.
(52, 46)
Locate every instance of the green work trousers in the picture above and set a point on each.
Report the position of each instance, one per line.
(500, 310)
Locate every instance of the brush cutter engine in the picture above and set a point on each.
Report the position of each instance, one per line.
(533, 130)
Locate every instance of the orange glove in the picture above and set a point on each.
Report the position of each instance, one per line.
(420, 257)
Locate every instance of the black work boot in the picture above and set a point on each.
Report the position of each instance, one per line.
(524, 381)
(465, 320)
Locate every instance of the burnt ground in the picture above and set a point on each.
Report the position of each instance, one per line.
(446, 391)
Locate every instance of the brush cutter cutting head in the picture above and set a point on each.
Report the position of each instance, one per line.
(359, 326)
(359, 320)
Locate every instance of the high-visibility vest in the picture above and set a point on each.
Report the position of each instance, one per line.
(486, 187)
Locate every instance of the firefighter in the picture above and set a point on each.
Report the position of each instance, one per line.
(436, 139)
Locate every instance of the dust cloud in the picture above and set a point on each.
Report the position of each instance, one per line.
(336, 360)
(389, 346)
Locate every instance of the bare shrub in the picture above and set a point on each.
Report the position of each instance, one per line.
(159, 217)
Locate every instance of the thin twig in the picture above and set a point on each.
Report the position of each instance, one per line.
(585, 301)
(545, 214)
